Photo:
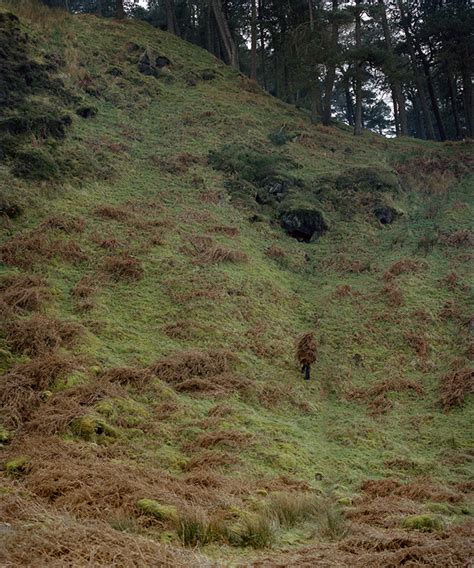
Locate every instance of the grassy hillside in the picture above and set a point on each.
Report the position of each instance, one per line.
(153, 412)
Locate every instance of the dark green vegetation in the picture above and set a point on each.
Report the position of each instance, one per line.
(150, 302)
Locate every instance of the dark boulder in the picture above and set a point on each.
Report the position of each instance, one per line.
(208, 75)
(303, 224)
(153, 65)
(385, 214)
(86, 111)
(162, 61)
(8, 208)
(115, 71)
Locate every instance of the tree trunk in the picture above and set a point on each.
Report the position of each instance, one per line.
(253, 63)
(331, 72)
(397, 91)
(418, 78)
(228, 43)
(358, 88)
(467, 92)
(316, 106)
(349, 102)
(396, 115)
(454, 106)
(261, 7)
(99, 8)
(311, 15)
(172, 22)
(119, 11)
(431, 91)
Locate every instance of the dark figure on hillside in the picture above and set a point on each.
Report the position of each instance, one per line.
(306, 353)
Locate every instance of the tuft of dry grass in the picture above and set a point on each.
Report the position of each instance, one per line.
(32, 247)
(275, 252)
(206, 251)
(404, 266)
(375, 396)
(65, 223)
(40, 334)
(24, 292)
(137, 378)
(191, 363)
(459, 238)
(23, 384)
(112, 212)
(455, 387)
(123, 267)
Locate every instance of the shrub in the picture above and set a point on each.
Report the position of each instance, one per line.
(281, 136)
(249, 164)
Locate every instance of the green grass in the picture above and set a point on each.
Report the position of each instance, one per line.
(254, 308)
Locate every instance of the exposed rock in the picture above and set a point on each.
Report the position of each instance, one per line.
(303, 224)
(208, 75)
(385, 214)
(87, 111)
(153, 65)
(115, 71)
(8, 208)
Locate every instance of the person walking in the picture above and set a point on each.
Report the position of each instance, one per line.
(306, 352)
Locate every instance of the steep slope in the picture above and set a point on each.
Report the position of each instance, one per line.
(168, 230)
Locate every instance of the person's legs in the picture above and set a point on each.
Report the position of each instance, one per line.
(307, 371)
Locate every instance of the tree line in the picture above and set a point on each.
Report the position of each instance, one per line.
(399, 67)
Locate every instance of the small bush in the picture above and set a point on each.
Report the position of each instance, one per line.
(281, 137)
